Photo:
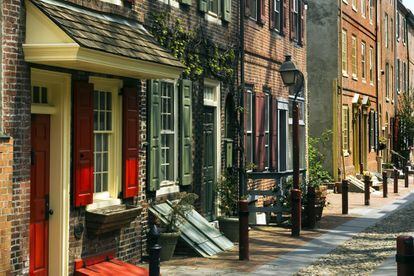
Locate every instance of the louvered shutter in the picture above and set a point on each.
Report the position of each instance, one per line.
(154, 161)
(186, 137)
(285, 16)
(259, 130)
(262, 11)
(202, 5)
(376, 130)
(273, 138)
(130, 142)
(291, 20)
(245, 124)
(302, 23)
(83, 143)
(226, 10)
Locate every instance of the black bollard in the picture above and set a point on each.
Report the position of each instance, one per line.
(367, 182)
(396, 181)
(296, 216)
(345, 189)
(154, 252)
(405, 256)
(384, 184)
(406, 178)
(244, 230)
(311, 207)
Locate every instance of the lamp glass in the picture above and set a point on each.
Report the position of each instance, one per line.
(289, 77)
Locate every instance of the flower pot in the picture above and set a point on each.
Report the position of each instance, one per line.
(168, 242)
(229, 226)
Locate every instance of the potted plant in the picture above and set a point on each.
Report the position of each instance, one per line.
(227, 189)
(169, 235)
(382, 143)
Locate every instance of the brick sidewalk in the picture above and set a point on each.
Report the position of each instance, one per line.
(268, 242)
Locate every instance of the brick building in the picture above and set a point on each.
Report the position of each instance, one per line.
(83, 82)
(343, 82)
(273, 29)
(410, 39)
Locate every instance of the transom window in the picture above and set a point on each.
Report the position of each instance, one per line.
(167, 132)
(102, 134)
(39, 95)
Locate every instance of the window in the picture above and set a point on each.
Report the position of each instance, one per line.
(354, 58)
(404, 30)
(344, 52)
(371, 11)
(302, 143)
(363, 61)
(371, 130)
(386, 27)
(398, 76)
(167, 133)
(296, 20)
(405, 85)
(371, 65)
(391, 80)
(39, 95)
(364, 8)
(249, 127)
(277, 15)
(213, 6)
(392, 33)
(102, 134)
(345, 128)
(253, 6)
(398, 26)
(282, 115)
(267, 129)
(354, 5)
(387, 80)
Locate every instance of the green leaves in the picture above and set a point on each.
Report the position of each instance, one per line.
(317, 173)
(199, 54)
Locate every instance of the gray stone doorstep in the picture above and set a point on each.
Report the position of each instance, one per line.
(290, 263)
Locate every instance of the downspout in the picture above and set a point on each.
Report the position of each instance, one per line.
(341, 83)
(377, 76)
(242, 180)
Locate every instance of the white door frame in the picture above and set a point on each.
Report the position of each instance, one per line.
(59, 106)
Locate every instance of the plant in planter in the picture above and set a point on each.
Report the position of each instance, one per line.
(227, 189)
(168, 239)
(382, 143)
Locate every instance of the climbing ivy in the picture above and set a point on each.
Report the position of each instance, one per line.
(200, 55)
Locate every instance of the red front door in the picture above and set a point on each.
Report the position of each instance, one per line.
(39, 195)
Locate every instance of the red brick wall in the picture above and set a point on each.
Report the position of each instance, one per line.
(16, 121)
(356, 25)
(6, 210)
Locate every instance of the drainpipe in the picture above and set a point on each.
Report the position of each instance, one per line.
(242, 180)
(341, 83)
(377, 76)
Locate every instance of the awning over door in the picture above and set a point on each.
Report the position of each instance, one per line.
(69, 36)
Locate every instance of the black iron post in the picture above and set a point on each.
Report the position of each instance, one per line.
(345, 189)
(396, 181)
(154, 252)
(367, 194)
(296, 198)
(295, 142)
(404, 257)
(406, 177)
(243, 230)
(311, 213)
(384, 184)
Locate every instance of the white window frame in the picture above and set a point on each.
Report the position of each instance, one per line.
(168, 187)
(302, 123)
(282, 106)
(354, 57)
(371, 65)
(249, 133)
(345, 110)
(386, 31)
(278, 20)
(344, 52)
(363, 61)
(371, 12)
(115, 143)
(354, 5)
(364, 8)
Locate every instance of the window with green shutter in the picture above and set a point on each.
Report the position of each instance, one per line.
(154, 97)
(186, 132)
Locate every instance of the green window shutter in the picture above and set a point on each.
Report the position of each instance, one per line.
(202, 5)
(185, 2)
(154, 96)
(186, 135)
(226, 10)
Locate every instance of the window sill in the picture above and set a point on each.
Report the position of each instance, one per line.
(101, 203)
(345, 75)
(168, 188)
(387, 99)
(354, 78)
(346, 153)
(213, 18)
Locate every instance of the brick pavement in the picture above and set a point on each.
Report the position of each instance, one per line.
(269, 242)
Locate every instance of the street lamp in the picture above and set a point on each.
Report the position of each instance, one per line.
(293, 78)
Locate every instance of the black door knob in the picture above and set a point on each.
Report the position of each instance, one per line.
(51, 212)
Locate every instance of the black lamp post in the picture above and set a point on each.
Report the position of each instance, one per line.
(293, 78)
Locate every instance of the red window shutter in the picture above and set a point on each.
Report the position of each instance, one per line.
(259, 144)
(273, 137)
(302, 23)
(285, 16)
(263, 11)
(83, 143)
(272, 18)
(130, 142)
(291, 17)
